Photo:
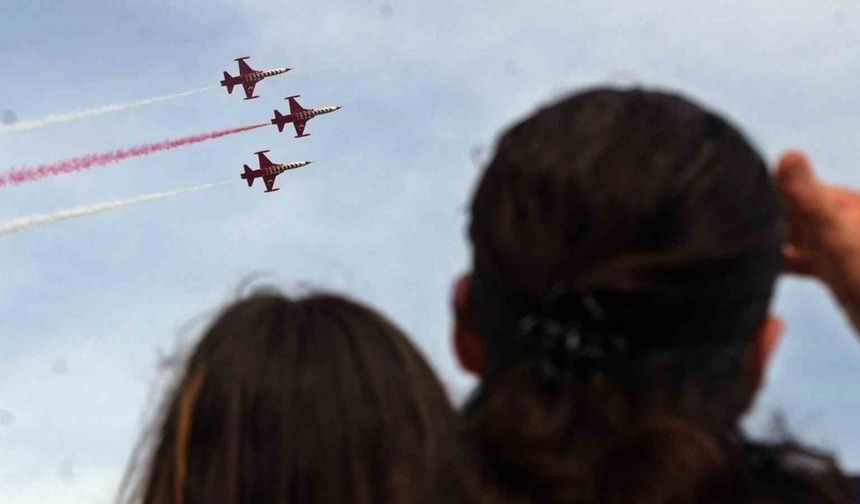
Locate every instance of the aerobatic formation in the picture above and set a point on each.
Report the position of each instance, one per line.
(298, 116)
(247, 78)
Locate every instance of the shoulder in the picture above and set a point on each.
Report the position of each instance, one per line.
(790, 473)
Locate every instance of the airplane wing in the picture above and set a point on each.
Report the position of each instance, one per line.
(249, 89)
(244, 68)
(300, 127)
(295, 108)
(264, 161)
(269, 180)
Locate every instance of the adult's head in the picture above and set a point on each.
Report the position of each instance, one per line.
(626, 245)
(299, 401)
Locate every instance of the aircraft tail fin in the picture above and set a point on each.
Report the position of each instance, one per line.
(227, 79)
(279, 120)
(248, 175)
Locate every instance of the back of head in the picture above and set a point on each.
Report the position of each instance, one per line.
(622, 190)
(626, 246)
(309, 401)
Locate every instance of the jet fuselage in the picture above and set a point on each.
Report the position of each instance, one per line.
(252, 77)
(304, 115)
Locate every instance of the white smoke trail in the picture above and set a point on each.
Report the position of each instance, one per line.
(91, 112)
(23, 223)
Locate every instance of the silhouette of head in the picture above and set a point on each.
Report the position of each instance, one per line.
(310, 400)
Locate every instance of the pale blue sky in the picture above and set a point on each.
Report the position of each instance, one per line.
(87, 306)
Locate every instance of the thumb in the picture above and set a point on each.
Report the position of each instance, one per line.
(803, 195)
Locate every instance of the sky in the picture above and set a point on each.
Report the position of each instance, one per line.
(92, 310)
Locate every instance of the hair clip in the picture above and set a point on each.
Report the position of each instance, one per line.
(570, 334)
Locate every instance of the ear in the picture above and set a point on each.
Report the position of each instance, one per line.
(467, 343)
(763, 346)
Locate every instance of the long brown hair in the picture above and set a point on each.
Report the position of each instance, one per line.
(663, 213)
(298, 401)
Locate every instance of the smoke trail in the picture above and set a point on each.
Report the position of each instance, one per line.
(29, 174)
(91, 112)
(23, 223)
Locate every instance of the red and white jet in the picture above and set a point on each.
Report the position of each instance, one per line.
(299, 116)
(269, 170)
(248, 77)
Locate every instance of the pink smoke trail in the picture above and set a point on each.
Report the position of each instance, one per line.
(29, 174)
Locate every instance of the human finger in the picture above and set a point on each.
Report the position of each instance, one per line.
(804, 196)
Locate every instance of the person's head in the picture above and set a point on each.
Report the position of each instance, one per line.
(630, 192)
(625, 248)
(299, 401)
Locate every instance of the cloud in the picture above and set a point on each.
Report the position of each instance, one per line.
(62, 483)
(9, 117)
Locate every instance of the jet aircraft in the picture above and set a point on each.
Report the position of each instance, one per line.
(299, 116)
(248, 77)
(268, 171)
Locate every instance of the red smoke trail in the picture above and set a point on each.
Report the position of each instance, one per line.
(29, 174)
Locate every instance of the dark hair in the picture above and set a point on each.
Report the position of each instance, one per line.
(665, 215)
(299, 401)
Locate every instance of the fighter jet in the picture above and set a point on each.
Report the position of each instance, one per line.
(248, 77)
(299, 116)
(269, 171)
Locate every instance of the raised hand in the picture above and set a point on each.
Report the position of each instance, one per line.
(824, 230)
